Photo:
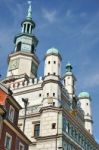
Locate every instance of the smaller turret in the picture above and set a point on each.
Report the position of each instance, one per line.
(85, 101)
(51, 84)
(52, 62)
(69, 80)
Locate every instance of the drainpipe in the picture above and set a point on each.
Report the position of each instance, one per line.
(25, 100)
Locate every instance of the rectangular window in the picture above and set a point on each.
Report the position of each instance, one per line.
(39, 95)
(53, 103)
(8, 140)
(21, 146)
(11, 114)
(53, 94)
(47, 94)
(37, 130)
(53, 125)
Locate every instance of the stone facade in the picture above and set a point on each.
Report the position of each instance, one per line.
(54, 117)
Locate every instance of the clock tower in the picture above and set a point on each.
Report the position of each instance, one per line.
(23, 60)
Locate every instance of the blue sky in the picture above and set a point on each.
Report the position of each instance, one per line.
(72, 26)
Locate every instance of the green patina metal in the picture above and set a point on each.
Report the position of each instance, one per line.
(29, 15)
(84, 95)
(69, 67)
(52, 51)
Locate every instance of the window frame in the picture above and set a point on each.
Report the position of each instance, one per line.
(20, 144)
(36, 130)
(53, 125)
(47, 94)
(5, 142)
(48, 62)
(11, 118)
(40, 94)
(54, 62)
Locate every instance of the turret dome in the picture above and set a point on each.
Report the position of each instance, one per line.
(84, 95)
(52, 51)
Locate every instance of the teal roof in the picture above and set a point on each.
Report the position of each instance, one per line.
(69, 67)
(52, 51)
(29, 15)
(84, 95)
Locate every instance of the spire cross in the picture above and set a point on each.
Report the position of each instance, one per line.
(29, 16)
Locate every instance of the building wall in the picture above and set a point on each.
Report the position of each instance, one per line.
(52, 67)
(5, 130)
(86, 107)
(23, 61)
(51, 88)
(16, 112)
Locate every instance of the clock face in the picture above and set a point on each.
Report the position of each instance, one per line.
(34, 68)
(14, 64)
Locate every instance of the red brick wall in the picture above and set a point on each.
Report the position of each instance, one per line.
(15, 139)
(16, 114)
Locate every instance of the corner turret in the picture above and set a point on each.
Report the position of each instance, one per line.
(69, 80)
(85, 101)
(52, 62)
(52, 74)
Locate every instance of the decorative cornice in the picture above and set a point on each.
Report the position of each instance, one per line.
(33, 56)
(48, 137)
(47, 108)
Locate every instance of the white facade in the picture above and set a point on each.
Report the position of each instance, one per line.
(51, 123)
(86, 107)
(52, 64)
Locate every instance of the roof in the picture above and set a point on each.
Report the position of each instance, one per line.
(52, 51)
(84, 95)
(6, 94)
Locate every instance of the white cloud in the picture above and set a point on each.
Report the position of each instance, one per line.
(50, 15)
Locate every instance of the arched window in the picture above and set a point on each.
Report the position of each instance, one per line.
(24, 27)
(28, 27)
(18, 47)
(32, 49)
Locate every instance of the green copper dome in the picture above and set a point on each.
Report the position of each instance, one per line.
(84, 95)
(52, 51)
(69, 67)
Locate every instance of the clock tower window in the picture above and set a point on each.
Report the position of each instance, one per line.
(19, 46)
(32, 49)
(28, 27)
(24, 27)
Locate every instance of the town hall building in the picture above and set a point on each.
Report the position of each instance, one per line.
(53, 117)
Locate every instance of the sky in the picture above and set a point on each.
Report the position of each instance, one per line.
(71, 26)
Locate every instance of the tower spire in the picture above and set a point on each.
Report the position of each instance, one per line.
(29, 15)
